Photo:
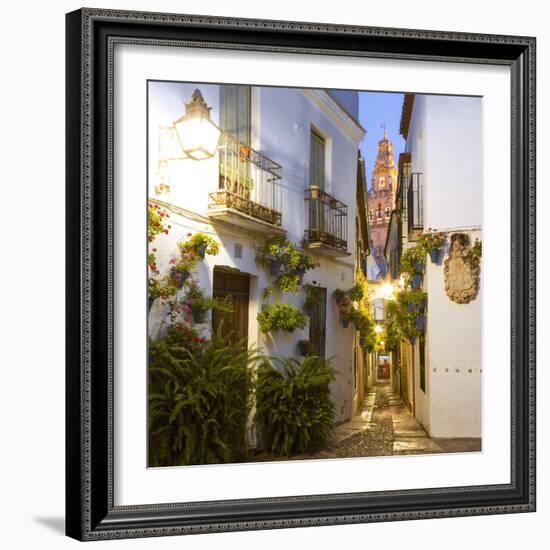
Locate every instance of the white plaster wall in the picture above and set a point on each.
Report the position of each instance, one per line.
(286, 118)
(453, 147)
(445, 139)
(453, 358)
(281, 124)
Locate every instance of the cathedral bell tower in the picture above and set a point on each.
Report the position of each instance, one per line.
(381, 199)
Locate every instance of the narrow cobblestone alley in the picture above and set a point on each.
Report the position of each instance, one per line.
(385, 427)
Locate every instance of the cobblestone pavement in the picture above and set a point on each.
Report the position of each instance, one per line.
(385, 427)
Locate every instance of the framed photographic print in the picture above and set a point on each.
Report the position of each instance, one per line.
(300, 274)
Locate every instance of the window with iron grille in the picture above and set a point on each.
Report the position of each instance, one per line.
(317, 160)
(317, 323)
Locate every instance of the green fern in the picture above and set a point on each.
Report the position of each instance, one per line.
(293, 407)
(199, 401)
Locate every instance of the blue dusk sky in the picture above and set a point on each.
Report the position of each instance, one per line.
(375, 110)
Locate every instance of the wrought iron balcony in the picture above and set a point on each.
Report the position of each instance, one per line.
(326, 223)
(249, 189)
(415, 207)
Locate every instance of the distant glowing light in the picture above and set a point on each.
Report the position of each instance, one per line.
(387, 291)
(377, 329)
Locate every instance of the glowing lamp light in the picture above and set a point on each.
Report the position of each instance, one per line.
(169, 144)
(197, 134)
(387, 291)
(377, 329)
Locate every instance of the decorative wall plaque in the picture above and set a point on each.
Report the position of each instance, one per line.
(461, 270)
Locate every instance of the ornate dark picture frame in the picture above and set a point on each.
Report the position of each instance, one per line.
(90, 510)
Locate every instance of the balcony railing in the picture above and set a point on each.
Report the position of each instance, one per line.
(327, 220)
(249, 183)
(415, 206)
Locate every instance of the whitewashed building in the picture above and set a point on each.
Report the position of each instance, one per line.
(286, 141)
(441, 188)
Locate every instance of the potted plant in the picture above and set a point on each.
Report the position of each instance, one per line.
(356, 292)
(413, 259)
(416, 281)
(285, 261)
(475, 252)
(339, 295)
(201, 244)
(415, 300)
(180, 268)
(433, 243)
(279, 316)
(198, 303)
(347, 312)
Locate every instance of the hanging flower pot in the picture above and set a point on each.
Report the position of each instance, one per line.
(420, 322)
(345, 323)
(200, 249)
(416, 281)
(435, 255)
(411, 307)
(179, 277)
(274, 267)
(199, 316)
(419, 266)
(412, 340)
(339, 296)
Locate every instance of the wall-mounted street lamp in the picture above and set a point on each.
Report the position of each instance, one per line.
(169, 144)
(197, 134)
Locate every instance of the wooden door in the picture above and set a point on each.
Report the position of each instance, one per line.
(234, 325)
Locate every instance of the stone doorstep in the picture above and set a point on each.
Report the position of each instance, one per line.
(420, 444)
(398, 434)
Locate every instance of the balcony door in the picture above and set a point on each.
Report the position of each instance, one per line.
(233, 325)
(235, 170)
(317, 160)
(235, 106)
(318, 224)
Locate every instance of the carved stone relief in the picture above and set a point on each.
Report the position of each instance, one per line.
(461, 270)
